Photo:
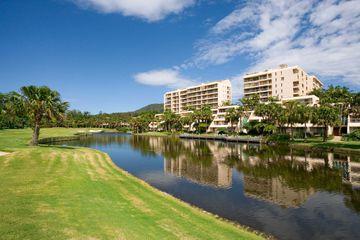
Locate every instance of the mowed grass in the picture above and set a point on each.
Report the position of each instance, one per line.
(330, 144)
(52, 192)
(157, 134)
(12, 139)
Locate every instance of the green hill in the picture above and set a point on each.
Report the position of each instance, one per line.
(156, 107)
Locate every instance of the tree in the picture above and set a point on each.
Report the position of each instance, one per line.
(42, 103)
(272, 113)
(234, 116)
(141, 122)
(185, 121)
(202, 117)
(337, 96)
(250, 103)
(327, 116)
(291, 115)
(170, 120)
(355, 105)
(304, 113)
(12, 112)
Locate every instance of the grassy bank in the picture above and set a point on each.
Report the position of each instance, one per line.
(52, 192)
(156, 134)
(336, 146)
(13, 139)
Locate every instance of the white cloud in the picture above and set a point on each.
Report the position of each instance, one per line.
(322, 37)
(165, 77)
(234, 19)
(150, 10)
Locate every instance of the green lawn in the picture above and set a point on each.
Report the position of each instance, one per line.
(330, 144)
(156, 134)
(52, 192)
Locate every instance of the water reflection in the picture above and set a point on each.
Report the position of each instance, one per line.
(293, 194)
(281, 175)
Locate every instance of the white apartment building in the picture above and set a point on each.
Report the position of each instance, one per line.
(213, 94)
(219, 114)
(282, 82)
(353, 124)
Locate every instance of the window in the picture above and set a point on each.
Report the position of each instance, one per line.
(282, 78)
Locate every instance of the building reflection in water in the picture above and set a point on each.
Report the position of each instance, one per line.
(281, 175)
(276, 191)
(217, 174)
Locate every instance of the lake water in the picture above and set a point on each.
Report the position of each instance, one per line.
(287, 193)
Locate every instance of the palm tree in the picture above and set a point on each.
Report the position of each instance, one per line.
(355, 105)
(327, 116)
(185, 121)
(304, 113)
(339, 97)
(291, 114)
(12, 110)
(202, 118)
(40, 103)
(250, 103)
(170, 120)
(234, 116)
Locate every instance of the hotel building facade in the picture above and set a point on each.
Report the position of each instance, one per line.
(213, 94)
(282, 82)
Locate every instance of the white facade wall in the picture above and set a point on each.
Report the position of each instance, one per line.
(213, 94)
(283, 82)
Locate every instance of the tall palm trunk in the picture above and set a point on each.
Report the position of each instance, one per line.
(305, 136)
(240, 125)
(36, 133)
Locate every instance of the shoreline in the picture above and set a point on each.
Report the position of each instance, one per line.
(239, 139)
(165, 194)
(311, 146)
(340, 150)
(225, 226)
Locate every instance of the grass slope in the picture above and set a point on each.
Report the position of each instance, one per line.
(317, 143)
(54, 192)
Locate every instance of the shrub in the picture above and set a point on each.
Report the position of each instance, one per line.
(223, 131)
(123, 129)
(278, 138)
(354, 136)
(251, 128)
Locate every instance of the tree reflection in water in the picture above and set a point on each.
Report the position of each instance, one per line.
(281, 175)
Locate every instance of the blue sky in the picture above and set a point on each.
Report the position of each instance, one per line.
(119, 55)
